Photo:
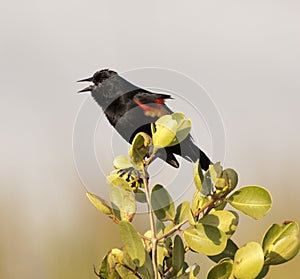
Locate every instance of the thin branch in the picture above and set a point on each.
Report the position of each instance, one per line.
(152, 225)
(177, 227)
(209, 204)
(152, 156)
(131, 270)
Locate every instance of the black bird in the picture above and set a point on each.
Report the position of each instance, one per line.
(131, 109)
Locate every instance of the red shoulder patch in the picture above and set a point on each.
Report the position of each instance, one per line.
(153, 111)
(160, 101)
(143, 106)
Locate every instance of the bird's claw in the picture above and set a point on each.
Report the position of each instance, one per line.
(130, 172)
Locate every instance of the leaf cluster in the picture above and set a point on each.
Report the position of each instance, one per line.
(205, 225)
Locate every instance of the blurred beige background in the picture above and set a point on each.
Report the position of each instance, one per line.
(245, 53)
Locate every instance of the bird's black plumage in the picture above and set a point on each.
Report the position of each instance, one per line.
(131, 109)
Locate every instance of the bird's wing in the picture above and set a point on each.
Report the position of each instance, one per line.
(153, 104)
(149, 97)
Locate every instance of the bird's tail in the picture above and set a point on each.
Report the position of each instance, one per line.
(191, 152)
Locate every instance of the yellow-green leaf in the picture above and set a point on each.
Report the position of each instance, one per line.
(224, 220)
(215, 171)
(228, 252)
(170, 130)
(183, 127)
(162, 203)
(177, 254)
(122, 162)
(231, 178)
(122, 201)
(198, 201)
(205, 239)
(132, 243)
(220, 271)
(283, 250)
(248, 261)
(277, 232)
(203, 182)
(198, 175)
(140, 147)
(182, 212)
(146, 271)
(99, 203)
(253, 201)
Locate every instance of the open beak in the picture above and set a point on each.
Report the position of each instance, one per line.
(89, 88)
(86, 79)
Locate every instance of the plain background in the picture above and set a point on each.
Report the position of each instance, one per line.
(245, 53)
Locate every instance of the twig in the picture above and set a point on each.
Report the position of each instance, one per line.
(177, 227)
(152, 225)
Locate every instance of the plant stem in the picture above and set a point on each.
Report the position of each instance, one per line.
(152, 156)
(178, 226)
(152, 226)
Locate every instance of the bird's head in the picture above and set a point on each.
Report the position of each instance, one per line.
(97, 79)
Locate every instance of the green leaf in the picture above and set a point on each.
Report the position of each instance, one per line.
(281, 243)
(104, 268)
(140, 196)
(183, 127)
(170, 130)
(253, 201)
(99, 203)
(231, 178)
(162, 203)
(147, 242)
(118, 181)
(122, 162)
(128, 261)
(111, 265)
(198, 201)
(177, 255)
(118, 255)
(132, 243)
(277, 232)
(140, 147)
(220, 204)
(205, 239)
(283, 250)
(224, 220)
(215, 171)
(220, 271)
(161, 253)
(263, 272)
(229, 252)
(163, 136)
(182, 212)
(112, 176)
(122, 201)
(191, 218)
(146, 271)
(169, 227)
(190, 272)
(207, 185)
(125, 272)
(248, 261)
(160, 227)
(220, 184)
(198, 175)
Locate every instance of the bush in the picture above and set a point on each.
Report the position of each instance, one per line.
(203, 225)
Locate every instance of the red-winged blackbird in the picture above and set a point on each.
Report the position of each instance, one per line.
(131, 109)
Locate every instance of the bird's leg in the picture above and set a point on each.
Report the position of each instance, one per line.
(135, 178)
(130, 172)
